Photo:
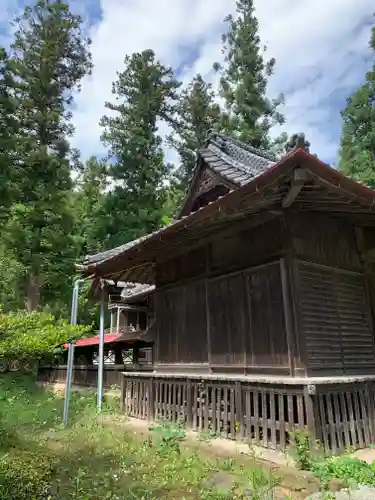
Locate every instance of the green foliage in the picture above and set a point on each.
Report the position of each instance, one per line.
(47, 59)
(8, 130)
(167, 437)
(145, 93)
(88, 201)
(208, 435)
(261, 484)
(11, 272)
(350, 470)
(100, 456)
(301, 449)
(30, 336)
(358, 134)
(249, 114)
(197, 113)
(25, 475)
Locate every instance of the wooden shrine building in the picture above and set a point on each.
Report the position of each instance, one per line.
(264, 301)
(128, 344)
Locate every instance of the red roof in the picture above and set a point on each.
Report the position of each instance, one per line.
(95, 340)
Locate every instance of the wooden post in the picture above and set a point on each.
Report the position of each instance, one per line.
(136, 354)
(111, 327)
(151, 401)
(122, 392)
(209, 356)
(207, 269)
(239, 409)
(118, 320)
(288, 314)
(370, 396)
(189, 405)
(309, 391)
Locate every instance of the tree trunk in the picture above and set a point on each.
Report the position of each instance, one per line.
(32, 298)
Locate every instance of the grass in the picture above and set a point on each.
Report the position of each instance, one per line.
(40, 459)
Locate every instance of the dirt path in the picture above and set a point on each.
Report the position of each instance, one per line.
(294, 485)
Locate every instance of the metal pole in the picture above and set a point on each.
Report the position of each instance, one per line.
(69, 368)
(101, 349)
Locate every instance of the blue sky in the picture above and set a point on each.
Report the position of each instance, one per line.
(321, 51)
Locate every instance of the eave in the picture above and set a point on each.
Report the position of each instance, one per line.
(328, 191)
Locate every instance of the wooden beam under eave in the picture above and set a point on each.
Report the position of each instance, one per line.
(298, 181)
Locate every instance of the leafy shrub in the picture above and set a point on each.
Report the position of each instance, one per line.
(168, 436)
(261, 484)
(351, 470)
(30, 336)
(25, 476)
(208, 435)
(301, 449)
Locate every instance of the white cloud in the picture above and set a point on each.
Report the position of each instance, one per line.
(321, 49)
(126, 27)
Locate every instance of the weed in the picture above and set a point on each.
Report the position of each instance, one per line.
(168, 437)
(304, 450)
(207, 435)
(41, 459)
(260, 483)
(228, 464)
(350, 470)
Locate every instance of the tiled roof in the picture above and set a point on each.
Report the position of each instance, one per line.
(101, 257)
(133, 290)
(234, 160)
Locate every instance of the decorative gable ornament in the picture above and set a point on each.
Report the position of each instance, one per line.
(297, 141)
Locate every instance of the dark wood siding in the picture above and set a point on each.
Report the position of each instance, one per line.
(335, 321)
(268, 333)
(181, 324)
(228, 319)
(246, 248)
(324, 240)
(187, 266)
(247, 324)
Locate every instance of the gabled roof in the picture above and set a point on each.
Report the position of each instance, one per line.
(236, 161)
(326, 191)
(123, 291)
(136, 291)
(233, 161)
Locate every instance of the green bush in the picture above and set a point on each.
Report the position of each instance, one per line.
(350, 470)
(168, 436)
(25, 475)
(300, 449)
(31, 336)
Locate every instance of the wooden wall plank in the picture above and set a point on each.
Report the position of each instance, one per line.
(181, 324)
(335, 321)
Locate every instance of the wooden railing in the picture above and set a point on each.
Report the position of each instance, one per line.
(346, 415)
(87, 375)
(264, 414)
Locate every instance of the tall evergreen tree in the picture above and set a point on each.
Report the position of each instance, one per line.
(145, 93)
(249, 113)
(197, 113)
(8, 137)
(89, 203)
(47, 60)
(358, 134)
